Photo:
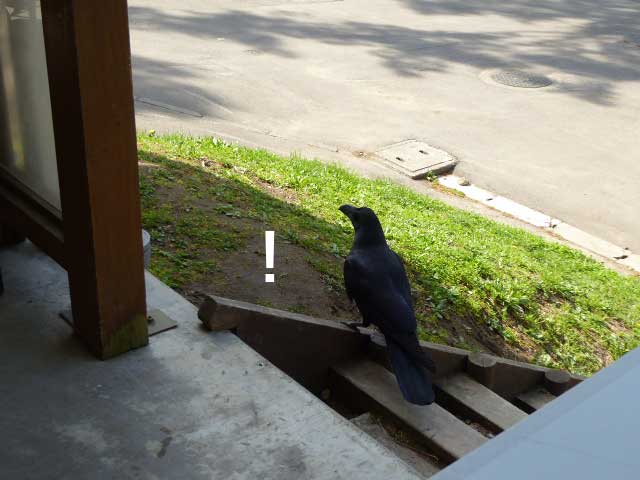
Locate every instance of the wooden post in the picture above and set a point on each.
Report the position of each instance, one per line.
(89, 67)
(557, 381)
(482, 367)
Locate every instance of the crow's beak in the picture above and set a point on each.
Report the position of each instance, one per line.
(347, 209)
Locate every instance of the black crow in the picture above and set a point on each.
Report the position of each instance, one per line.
(374, 276)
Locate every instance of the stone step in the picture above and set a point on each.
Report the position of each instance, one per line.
(370, 385)
(463, 395)
(534, 399)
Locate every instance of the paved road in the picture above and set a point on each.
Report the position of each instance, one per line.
(358, 75)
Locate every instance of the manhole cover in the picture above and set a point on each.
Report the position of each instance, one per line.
(417, 159)
(520, 79)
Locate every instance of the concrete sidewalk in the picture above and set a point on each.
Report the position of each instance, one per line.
(191, 405)
(331, 78)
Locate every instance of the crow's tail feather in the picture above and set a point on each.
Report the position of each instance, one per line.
(411, 346)
(414, 382)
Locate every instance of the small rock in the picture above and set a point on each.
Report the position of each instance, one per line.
(464, 182)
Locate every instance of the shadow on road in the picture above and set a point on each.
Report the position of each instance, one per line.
(591, 42)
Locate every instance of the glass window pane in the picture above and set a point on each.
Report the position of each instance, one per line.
(27, 149)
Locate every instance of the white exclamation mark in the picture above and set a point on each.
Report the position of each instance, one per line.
(269, 240)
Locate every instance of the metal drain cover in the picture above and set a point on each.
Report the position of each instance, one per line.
(417, 159)
(520, 79)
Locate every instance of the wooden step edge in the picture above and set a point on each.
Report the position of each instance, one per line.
(534, 399)
(471, 400)
(505, 377)
(372, 388)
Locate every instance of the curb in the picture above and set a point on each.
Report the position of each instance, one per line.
(563, 230)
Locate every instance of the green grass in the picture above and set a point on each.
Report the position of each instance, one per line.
(548, 302)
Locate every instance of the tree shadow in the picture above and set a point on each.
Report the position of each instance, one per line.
(301, 237)
(410, 52)
(175, 92)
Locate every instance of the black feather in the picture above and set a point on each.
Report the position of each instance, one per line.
(415, 386)
(375, 278)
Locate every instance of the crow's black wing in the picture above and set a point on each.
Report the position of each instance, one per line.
(400, 279)
(351, 278)
(362, 288)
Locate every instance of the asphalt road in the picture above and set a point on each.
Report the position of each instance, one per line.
(355, 76)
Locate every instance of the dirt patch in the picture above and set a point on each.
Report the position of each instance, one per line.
(222, 235)
(298, 286)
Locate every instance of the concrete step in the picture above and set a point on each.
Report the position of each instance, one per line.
(423, 464)
(464, 396)
(368, 384)
(534, 399)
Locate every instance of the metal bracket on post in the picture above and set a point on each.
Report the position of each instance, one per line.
(157, 321)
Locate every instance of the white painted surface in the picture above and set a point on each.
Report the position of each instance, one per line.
(568, 232)
(492, 200)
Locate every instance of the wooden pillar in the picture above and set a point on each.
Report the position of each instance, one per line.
(89, 68)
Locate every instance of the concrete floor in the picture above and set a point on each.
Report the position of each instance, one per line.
(329, 78)
(190, 405)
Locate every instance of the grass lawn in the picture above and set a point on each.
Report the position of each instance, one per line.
(477, 283)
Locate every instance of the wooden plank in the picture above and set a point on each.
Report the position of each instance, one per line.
(510, 377)
(448, 360)
(476, 402)
(444, 434)
(89, 67)
(26, 216)
(302, 346)
(219, 313)
(513, 378)
(534, 399)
